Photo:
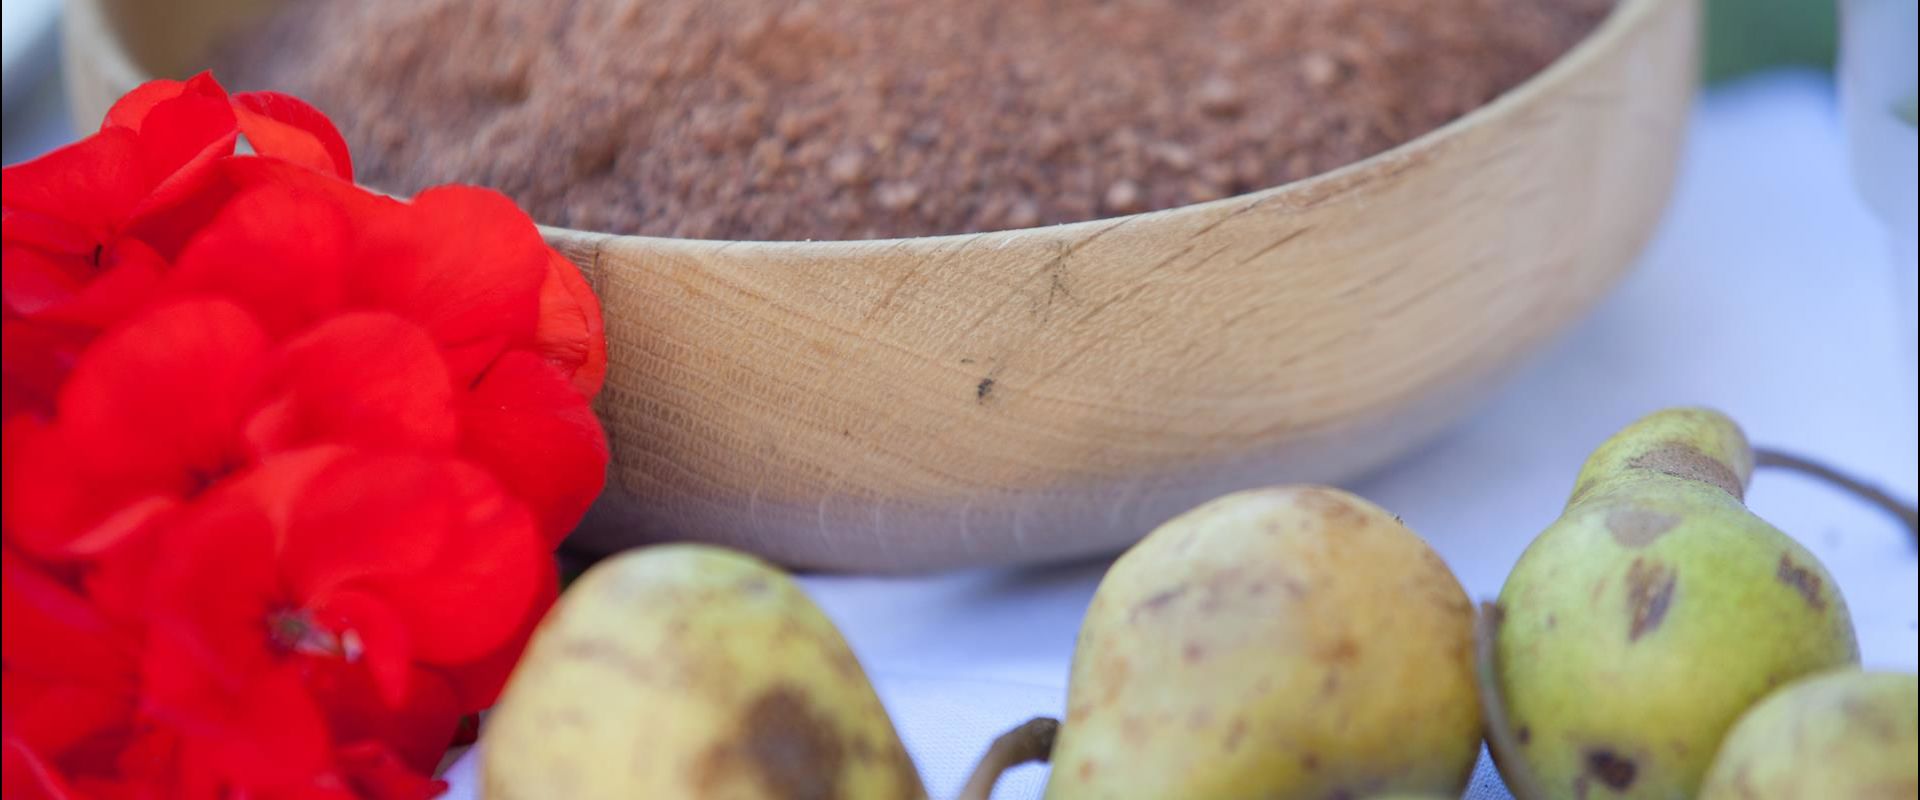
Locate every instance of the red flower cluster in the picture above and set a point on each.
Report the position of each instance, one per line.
(284, 460)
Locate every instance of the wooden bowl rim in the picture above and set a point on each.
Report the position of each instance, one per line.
(1618, 24)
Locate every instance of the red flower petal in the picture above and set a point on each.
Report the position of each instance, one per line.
(212, 595)
(570, 333)
(27, 775)
(170, 226)
(35, 358)
(463, 262)
(479, 682)
(151, 410)
(373, 638)
(273, 736)
(279, 249)
(36, 280)
(35, 229)
(275, 486)
(365, 516)
(485, 553)
(151, 767)
(84, 189)
(65, 721)
(285, 127)
(124, 281)
(54, 633)
(377, 773)
(417, 726)
(533, 430)
(131, 110)
(118, 580)
(44, 502)
(419, 731)
(161, 395)
(369, 378)
(180, 131)
(58, 504)
(478, 591)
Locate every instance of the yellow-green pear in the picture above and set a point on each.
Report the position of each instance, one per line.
(1844, 733)
(690, 672)
(1295, 643)
(1655, 611)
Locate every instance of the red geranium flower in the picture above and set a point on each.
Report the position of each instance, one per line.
(370, 581)
(67, 211)
(284, 458)
(215, 392)
(71, 264)
(70, 679)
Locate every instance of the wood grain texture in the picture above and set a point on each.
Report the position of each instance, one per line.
(1056, 392)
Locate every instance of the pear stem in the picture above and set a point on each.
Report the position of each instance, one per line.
(1032, 741)
(1900, 509)
(1501, 739)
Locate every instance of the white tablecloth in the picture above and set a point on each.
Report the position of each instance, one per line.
(1768, 293)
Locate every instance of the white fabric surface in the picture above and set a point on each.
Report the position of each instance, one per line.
(1768, 293)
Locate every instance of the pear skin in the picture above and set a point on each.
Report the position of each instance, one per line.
(1291, 642)
(1844, 733)
(686, 671)
(1653, 612)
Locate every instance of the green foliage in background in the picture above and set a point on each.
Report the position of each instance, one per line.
(1748, 35)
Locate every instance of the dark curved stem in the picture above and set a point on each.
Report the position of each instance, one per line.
(1501, 739)
(1886, 501)
(1032, 741)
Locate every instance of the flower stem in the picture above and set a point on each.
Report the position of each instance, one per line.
(1900, 509)
(1032, 741)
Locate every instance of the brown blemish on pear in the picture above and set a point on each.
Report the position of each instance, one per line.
(789, 747)
(1638, 527)
(1649, 592)
(1684, 461)
(1612, 770)
(1802, 580)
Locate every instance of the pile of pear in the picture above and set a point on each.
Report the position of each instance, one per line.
(1631, 636)
(1658, 640)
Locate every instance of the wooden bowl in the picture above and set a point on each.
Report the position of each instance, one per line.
(1056, 392)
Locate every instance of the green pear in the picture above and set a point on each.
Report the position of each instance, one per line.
(691, 672)
(1291, 642)
(1654, 611)
(1844, 733)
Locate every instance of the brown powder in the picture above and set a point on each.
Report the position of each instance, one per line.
(842, 119)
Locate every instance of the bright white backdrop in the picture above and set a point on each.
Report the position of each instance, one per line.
(1769, 293)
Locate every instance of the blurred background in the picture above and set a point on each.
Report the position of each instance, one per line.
(1744, 36)
(1780, 288)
